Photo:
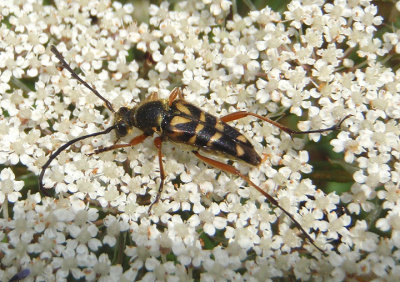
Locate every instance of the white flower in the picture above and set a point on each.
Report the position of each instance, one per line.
(166, 60)
(320, 61)
(113, 230)
(9, 188)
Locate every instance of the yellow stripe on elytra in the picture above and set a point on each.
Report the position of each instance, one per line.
(214, 139)
(179, 120)
(181, 107)
(241, 138)
(192, 139)
(202, 117)
(219, 126)
(239, 150)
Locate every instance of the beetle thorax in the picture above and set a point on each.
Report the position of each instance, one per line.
(149, 116)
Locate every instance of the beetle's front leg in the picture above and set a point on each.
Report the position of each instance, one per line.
(135, 141)
(177, 91)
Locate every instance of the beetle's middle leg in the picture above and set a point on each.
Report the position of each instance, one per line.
(135, 141)
(242, 114)
(158, 144)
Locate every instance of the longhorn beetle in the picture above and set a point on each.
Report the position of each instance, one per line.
(176, 120)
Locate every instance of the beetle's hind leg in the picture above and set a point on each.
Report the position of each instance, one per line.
(230, 169)
(242, 114)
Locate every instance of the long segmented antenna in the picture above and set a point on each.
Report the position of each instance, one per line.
(66, 145)
(62, 148)
(74, 75)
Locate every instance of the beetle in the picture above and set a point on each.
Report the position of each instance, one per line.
(174, 119)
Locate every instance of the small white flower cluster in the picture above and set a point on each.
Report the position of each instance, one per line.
(320, 60)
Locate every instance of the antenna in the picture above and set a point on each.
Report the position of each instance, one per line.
(74, 75)
(66, 145)
(62, 148)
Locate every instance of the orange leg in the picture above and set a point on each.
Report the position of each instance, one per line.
(177, 91)
(137, 140)
(152, 97)
(242, 114)
(230, 169)
(158, 143)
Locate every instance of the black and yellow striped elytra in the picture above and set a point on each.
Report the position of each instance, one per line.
(182, 122)
(188, 124)
(176, 120)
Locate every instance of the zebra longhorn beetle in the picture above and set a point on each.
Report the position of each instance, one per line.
(176, 120)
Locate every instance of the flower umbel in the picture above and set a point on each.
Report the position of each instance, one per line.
(321, 61)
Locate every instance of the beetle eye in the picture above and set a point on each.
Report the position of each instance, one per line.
(122, 129)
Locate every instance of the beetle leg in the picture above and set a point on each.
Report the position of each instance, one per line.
(230, 169)
(152, 97)
(137, 140)
(177, 91)
(242, 114)
(158, 143)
